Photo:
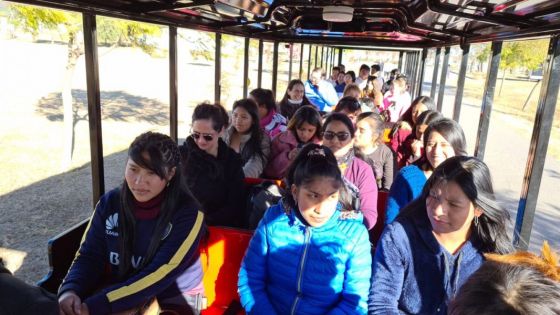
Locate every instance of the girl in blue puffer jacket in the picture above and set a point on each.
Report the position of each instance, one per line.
(308, 256)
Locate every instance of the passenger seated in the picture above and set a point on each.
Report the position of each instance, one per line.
(397, 100)
(309, 255)
(271, 122)
(303, 128)
(213, 171)
(320, 92)
(293, 99)
(438, 241)
(352, 90)
(404, 126)
(349, 106)
(246, 137)
(415, 141)
(370, 148)
(142, 241)
(373, 91)
(516, 284)
(338, 136)
(444, 138)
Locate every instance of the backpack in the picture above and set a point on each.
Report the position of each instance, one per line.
(261, 197)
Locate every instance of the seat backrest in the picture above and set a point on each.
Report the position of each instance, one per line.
(375, 232)
(221, 256)
(62, 251)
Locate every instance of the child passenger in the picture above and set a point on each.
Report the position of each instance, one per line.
(438, 241)
(142, 240)
(308, 255)
(303, 128)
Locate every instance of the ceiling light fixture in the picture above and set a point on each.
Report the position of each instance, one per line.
(338, 13)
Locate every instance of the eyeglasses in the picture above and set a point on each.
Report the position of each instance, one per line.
(206, 136)
(342, 136)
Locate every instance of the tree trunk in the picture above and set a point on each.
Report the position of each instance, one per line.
(75, 50)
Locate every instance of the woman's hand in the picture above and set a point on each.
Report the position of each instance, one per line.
(292, 154)
(69, 303)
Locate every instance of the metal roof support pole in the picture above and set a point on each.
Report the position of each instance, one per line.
(327, 71)
(275, 68)
(322, 51)
(340, 52)
(173, 94)
(291, 52)
(333, 52)
(329, 64)
(443, 79)
(412, 79)
(434, 76)
(316, 53)
(309, 62)
(539, 144)
(400, 60)
(421, 71)
(259, 74)
(407, 64)
(246, 67)
(218, 68)
(487, 100)
(94, 106)
(301, 61)
(417, 85)
(461, 83)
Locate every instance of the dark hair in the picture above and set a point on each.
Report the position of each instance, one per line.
(507, 289)
(336, 68)
(352, 74)
(253, 145)
(312, 161)
(285, 109)
(426, 118)
(349, 103)
(376, 67)
(473, 176)
(451, 131)
(163, 155)
(343, 119)
(374, 118)
(407, 116)
(214, 112)
(264, 97)
(305, 114)
(364, 66)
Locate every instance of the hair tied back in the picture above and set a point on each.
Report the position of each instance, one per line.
(317, 151)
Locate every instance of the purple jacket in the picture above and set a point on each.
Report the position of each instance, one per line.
(280, 147)
(360, 174)
(273, 123)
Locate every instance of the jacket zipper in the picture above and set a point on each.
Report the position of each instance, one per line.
(301, 267)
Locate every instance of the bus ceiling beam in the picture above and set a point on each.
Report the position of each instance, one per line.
(94, 106)
(443, 78)
(246, 68)
(218, 69)
(260, 63)
(152, 7)
(173, 85)
(421, 71)
(461, 82)
(435, 74)
(275, 68)
(488, 100)
(539, 144)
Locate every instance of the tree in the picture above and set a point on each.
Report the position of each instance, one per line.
(69, 25)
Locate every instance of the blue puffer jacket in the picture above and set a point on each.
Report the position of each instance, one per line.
(292, 268)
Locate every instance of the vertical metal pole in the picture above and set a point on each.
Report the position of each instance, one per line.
(309, 62)
(173, 94)
(291, 52)
(340, 52)
(94, 106)
(487, 100)
(301, 61)
(461, 83)
(421, 71)
(246, 67)
(412, 79)
(401, 53)
(539, 145)
(434, 76)
(332, 56)
(316, 52)
(218, 68)
(274, 68)
(322, 55)
(259, 74)
(443, 78)
(327, 63)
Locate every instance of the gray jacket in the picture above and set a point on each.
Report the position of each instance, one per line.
(253, 166)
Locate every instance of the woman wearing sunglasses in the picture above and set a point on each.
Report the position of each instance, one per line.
(338, 135)
(213, 171)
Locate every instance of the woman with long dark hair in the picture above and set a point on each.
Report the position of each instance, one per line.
(438, 241)
(145, 232)
(212, 169)
(271, 121)
(293, 99)
(246, 137)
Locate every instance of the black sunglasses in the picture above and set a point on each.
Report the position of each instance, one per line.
(342, 136)
(206, 136)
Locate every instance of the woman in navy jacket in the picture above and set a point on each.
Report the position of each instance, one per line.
(142, 240)
(438, 241)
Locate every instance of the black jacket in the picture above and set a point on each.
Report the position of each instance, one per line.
(216, 182)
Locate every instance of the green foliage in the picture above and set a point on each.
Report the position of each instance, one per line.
(527, 54)
(34, 19)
